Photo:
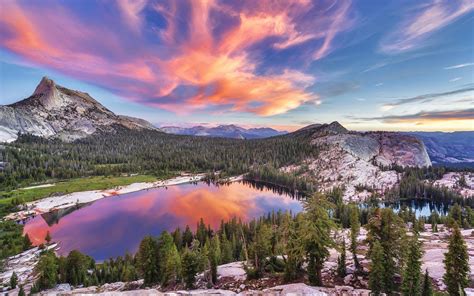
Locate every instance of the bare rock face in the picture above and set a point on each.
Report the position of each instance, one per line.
(55, 111)
(359, 162)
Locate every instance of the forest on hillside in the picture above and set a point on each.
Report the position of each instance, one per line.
(33, 159)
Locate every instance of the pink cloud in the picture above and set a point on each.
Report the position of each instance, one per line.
(223, 71)
(426, 20)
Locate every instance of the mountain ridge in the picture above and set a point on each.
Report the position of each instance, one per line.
(55, 111)
(224, 131)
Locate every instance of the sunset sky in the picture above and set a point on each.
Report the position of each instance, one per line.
(371, 64)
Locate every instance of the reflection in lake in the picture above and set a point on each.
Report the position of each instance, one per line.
(113, 226)
(421, 207)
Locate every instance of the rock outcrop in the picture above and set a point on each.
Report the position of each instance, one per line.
(55, 111)
(359, 162)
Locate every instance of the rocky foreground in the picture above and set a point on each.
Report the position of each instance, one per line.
(232, 277)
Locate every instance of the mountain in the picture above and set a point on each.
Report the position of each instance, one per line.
(224, 131)
(358, 162)
(55, 111)
(448, 148)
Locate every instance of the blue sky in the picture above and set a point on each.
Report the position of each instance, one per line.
(371, 65)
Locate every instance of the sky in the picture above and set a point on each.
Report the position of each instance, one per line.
(371, 65)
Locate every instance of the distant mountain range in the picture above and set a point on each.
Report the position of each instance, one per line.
(448, 148)
(58, 112)
(224, 131)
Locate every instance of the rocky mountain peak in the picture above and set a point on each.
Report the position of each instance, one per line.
(336, 128)
(319, 130)
(45, 86)
(56, 111)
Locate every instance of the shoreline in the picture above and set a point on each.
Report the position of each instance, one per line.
(49, 204)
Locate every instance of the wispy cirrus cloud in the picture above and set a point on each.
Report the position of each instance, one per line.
(450, 115)
(184, 56)
(427, 97)
(422, 22)
(459, 66)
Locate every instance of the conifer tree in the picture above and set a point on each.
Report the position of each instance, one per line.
(355, 229)
(214, 257)
(190, 266)
(187, 237)
(316, 236)
(411, 285)
(456, 262)
(377, 269)
(47, 271)
(21, 292)
(13, 280)
(27, 242)
(261, 248)
(389, 230)
(226, 250)
(427, 288)
(341, 261)
(294, 248)
(170, 262)
(148, 261)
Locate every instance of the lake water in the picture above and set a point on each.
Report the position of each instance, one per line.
(112, 226)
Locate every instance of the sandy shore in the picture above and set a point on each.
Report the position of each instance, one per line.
(48, 204)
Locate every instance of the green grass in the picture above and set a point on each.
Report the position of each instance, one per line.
(73, 185)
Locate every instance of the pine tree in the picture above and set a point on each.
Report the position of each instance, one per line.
(456, 262)
(170, 262)
(411, 285)
(226, 249)
(316, 236)
(341, 261)
(187, 237)
(261, 248)
(27, 242)
(427, 288)
(21, 292)
(377, 269)
(355, 228)
(389, 230)
(147, 261)
(190, 266)
(47, 271)
(13, 280)
(214, 257)
(294, 248)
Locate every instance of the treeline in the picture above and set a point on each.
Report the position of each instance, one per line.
(12, 240)
(413, 185)
(294, 181)
(34, 159)
(294, 247)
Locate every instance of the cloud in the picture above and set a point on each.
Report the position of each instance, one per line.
(455, 79)
(422, 116)
(131, 10)
(423, 22)
(183, 56)
(426, 97)
(459, 66)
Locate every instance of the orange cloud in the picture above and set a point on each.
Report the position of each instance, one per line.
(217, 70)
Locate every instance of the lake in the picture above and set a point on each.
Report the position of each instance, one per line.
(112, 226)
